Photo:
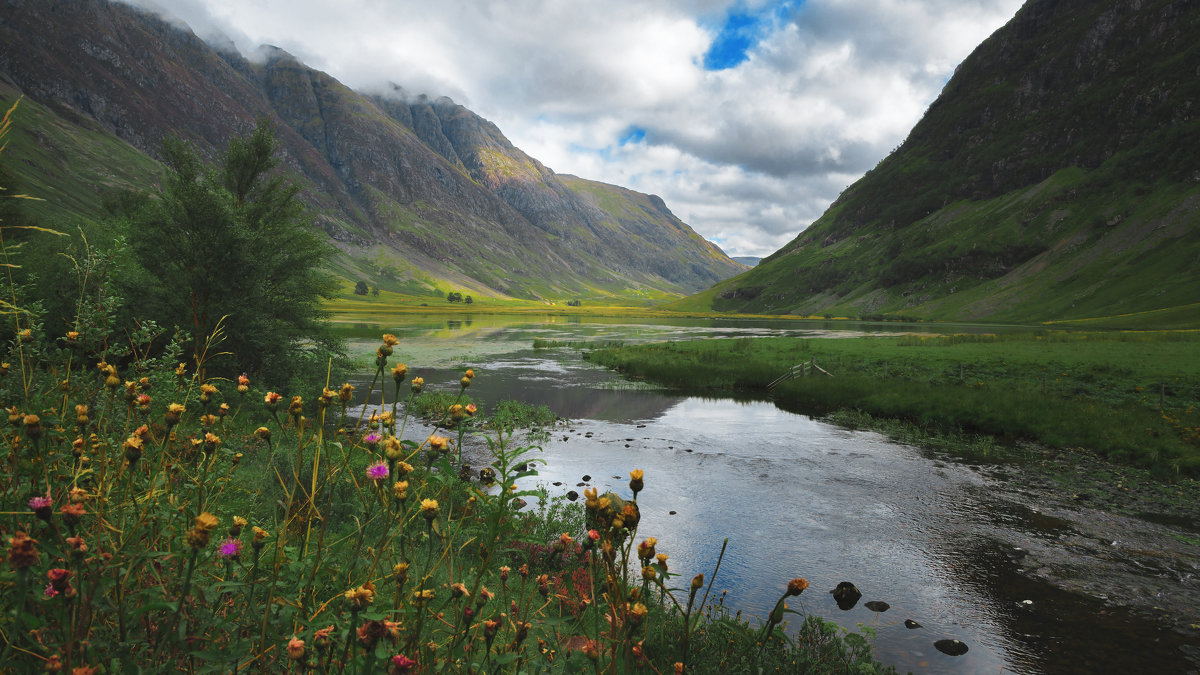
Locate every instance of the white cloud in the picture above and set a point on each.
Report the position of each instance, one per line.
(748, 156)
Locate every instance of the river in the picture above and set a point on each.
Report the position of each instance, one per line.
(962, 549)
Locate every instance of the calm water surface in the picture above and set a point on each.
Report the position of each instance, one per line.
(794, 497)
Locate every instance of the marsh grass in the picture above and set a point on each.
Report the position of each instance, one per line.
(1134, 397)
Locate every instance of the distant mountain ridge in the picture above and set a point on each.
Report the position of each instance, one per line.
(417, 193)
(1055, 177)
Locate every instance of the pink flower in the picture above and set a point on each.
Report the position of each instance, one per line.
(378, 471)
(50, 591)
(402, 664)
(41, 506)
(230, 548)
(372, 439)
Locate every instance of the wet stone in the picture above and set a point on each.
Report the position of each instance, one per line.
(671, 513)
(951, 647)
(557, 483)
(581, 485)
(846, 595)
(910, 624)
(586, 477)
(877, 606)
(572, 495)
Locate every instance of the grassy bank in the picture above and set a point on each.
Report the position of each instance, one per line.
(156, 520)
(1129, 396)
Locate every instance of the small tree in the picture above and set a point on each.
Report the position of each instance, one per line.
(454, 296)
(467, 300)
(233, 246)
(375, 291)
(361, 288)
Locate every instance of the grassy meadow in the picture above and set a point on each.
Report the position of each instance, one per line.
(1131, 396)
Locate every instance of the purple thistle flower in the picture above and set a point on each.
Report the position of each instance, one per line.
(230, 548)
(40, 503)
(372, 439)
(378, 471)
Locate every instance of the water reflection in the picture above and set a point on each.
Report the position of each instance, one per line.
(797, 497)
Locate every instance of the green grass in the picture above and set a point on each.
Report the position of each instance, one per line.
(1133, 397)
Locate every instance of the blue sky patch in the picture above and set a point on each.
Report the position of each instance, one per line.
(741, 31)
(633, 135)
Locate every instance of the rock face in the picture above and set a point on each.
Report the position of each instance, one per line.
(1054, 177)
(418, 185)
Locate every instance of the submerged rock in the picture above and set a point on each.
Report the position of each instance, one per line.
(910, 624)
(951, 647)
(846, 595)
(877, 606)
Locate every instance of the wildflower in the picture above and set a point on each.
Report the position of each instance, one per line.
(631, 514)
(362, 596)
(54, 664)
(72, 512)
(25, 335)
(439, 443)
(82, 415)
(197, 537)
(400, 490)
(322, 636)
(648, 573)
(4, 368)
(143, 401)
(296, 408)
(484, 596)
(464, 382)
(662, 560)
(796, 586)
(590, 498)
(504, 570)
(543, 584)
(207, 391)
(378, 471)
(459, 590)
(398, 372)
(222, 410)
(565, 539)
(174, 412)
(401, 665)
(326, 397)
(211, 441)
(260, 538)
(456, 412)
(180, 370)
(243, 385)
(77, 544)
(272, 400)
(423, 596)
(235, 530)
(295, 648)
(372, 439)
(490, 627)
(401, 572)
(346, 393)
(429, 509)
(418, 383)
(41, 507)
(230, 548)
(697, 582)
(392, 449)
(21, 551)
(635, 481)
(263, 433)
(33, 427)
(471, 409)
(637, 612)
(370, 632)
(646, 548)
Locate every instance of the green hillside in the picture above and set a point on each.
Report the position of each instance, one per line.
(1054, 178)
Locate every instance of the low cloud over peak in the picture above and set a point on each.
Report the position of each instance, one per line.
(748, 117)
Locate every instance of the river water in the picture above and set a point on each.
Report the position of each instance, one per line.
(943, 543)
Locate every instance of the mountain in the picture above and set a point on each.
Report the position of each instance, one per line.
(749, 261)
(419, 194)
(1055, 177)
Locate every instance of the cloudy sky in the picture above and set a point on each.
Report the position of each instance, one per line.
(748, 117)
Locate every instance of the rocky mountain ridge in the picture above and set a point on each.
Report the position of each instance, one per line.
(418, 193)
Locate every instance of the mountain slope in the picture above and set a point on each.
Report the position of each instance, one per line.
(418, 194)
(1055, 177)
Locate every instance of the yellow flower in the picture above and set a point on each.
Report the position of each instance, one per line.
(637, 612)
(418, 383)
(206, 521)
(398, 372)
(400, 490)
(362, 596)
(429, 508)
(259, 534)
(390, 340)
(439, 443)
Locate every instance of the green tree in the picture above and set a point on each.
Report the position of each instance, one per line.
(360, 288)
(231, 246)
